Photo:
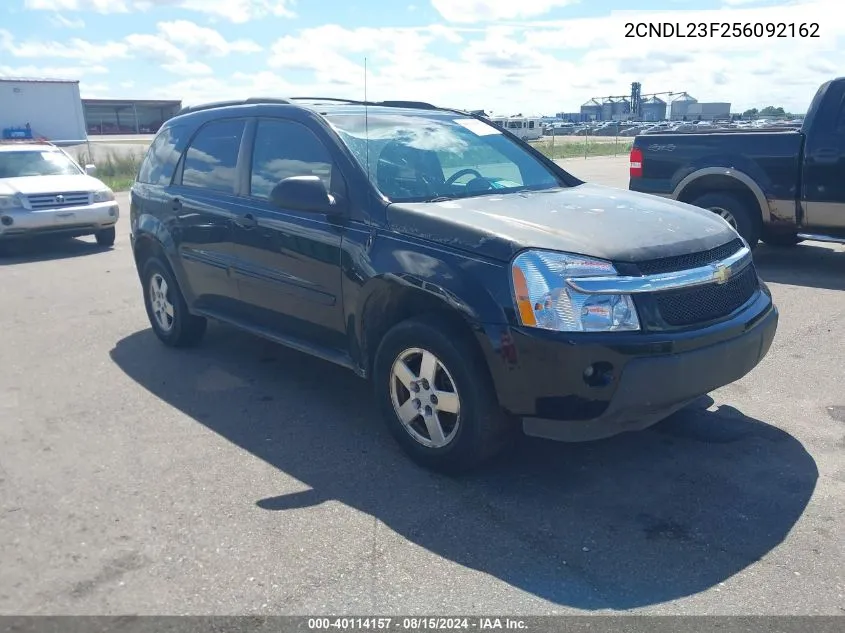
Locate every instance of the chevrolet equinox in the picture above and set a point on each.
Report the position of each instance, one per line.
(478, 286)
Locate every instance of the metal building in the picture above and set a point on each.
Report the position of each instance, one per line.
(47, 108)
(121, 116)
(591, 111)
(708, 111)
(680, 107)
(653, 109)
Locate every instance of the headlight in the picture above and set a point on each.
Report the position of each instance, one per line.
(544, 300)
(11, 202)
(104, 195)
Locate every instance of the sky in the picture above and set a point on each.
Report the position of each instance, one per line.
(503, 56)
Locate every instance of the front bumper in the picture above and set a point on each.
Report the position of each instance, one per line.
(71, 221)
(638, 378)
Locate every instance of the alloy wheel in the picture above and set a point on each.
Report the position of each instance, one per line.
(425, 398)
(161, 303)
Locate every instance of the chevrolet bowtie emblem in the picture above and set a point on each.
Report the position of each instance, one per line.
(721, 273)
(60, 199)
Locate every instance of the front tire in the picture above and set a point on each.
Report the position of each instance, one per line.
(738, 214)
(166, 308)
(105, 237)
(437, 397)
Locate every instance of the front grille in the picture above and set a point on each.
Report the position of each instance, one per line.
(58, 200)
(690, 260)
(701, 304)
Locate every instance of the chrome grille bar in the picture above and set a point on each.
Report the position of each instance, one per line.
(40, 201)
(716, 273)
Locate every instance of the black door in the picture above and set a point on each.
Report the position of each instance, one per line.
(289, 275)
(202, 200)
(824, 166)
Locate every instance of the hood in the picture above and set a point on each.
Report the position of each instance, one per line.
(587, 219)
(30, 185)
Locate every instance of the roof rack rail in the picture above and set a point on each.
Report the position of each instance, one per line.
(330, 99)
(422, 105)
(237, 102)
(272, 100)
(387, 104)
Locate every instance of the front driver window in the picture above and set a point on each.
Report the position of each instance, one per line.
(284, 149)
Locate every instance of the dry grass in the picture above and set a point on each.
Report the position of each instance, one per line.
(116, 170)
(580, 146)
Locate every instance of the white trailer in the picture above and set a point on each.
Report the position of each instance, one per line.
(526, 128)
(51, 107)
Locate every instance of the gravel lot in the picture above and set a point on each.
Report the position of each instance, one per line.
(241, 477)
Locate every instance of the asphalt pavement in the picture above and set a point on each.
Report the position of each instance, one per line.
(241, 477)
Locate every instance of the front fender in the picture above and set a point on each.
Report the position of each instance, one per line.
(475, 289)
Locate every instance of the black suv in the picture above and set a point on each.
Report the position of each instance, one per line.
(474, 281)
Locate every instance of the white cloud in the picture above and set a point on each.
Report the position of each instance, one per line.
(203, 40)
(469, 11)
(549, 66)
(52, 72)
(238, 11)
(76, 48)
(158, 50)
(59, 20)
(531, 65)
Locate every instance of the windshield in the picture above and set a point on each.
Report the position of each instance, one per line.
(434, 156)
(18, 164)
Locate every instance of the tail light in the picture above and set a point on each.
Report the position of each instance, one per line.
(636, 162)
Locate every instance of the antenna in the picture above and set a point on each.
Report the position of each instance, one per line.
(366, 125)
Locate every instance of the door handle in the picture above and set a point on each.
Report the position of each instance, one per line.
(247, 221)
(177, 204)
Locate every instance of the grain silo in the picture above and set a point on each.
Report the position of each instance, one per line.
(653, 109)
(591, 111)
(680, 106)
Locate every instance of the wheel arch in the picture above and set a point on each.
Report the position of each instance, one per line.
(723, 179)
(390, 299)
(151, 237)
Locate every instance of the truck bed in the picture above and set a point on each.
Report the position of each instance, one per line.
(772, 159)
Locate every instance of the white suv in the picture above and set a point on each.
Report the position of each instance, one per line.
(44, 191)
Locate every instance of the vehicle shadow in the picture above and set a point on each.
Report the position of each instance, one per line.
(632, 521)
(46, 248)
(814, 265)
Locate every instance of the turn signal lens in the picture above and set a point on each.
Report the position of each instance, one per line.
(523, 299)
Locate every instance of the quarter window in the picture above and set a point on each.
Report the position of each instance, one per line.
(212, 158)
(284, 149)
(161, 159)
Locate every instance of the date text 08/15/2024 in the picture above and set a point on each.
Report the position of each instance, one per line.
(723, 29)
(418, 623)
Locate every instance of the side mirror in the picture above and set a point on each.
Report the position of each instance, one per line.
(303, 193)
(90, 169)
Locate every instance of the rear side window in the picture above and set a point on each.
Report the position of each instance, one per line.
(161, 159)
(212, 157)
(284, 149)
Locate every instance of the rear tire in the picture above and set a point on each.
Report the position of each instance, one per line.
(105, 237)
(479, 430)
(166, 308)
(740, 215)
